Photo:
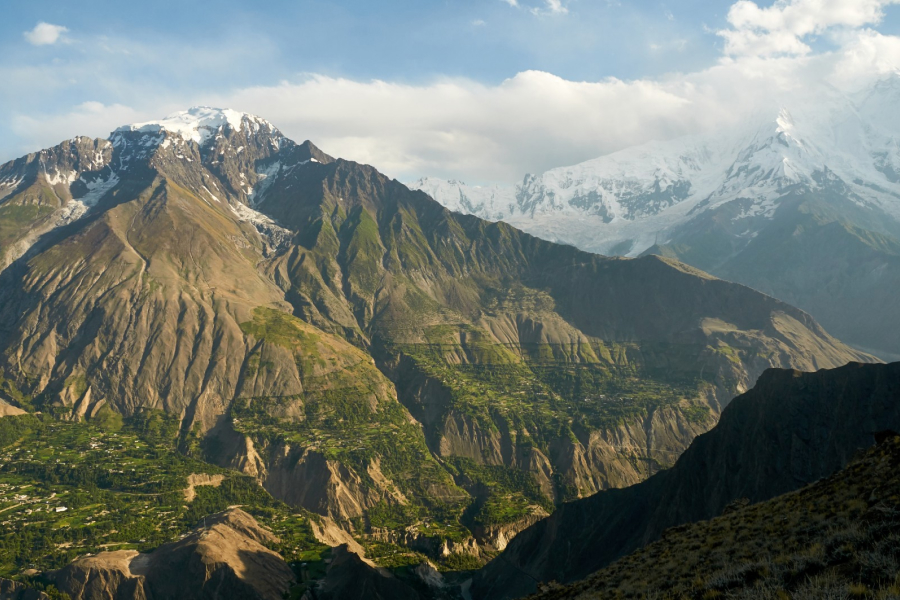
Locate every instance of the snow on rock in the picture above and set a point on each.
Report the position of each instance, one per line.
(70, 212)
(97, 188)
(488, 202)
(264, 180)
(198, 124)
(57, 177)
(273, 235)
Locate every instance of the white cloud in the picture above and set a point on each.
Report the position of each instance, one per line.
(528, 123)
(89, 118)
(781, 29)
(556, 7)
(478, 23)
(464, 129)
(531, 122)
(45, 34)
(550, 7)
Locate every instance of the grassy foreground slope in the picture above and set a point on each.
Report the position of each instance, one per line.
(836, 538)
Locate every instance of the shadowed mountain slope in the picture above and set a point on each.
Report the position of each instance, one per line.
(838, 537)
(791, 429)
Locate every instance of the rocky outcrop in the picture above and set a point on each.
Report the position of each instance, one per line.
(106, 575)
(628, 454)
(331, 534)
(15, 590)
(461, 436)
(234, 450)
(305, 477)
(350, 578)
(8, 410)
(588, 461)
(428, 544)
(497, 537)
(225, 559)
(792, 428)
(200, 479)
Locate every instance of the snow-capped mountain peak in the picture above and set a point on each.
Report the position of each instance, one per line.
(627, 201)
(199, 123)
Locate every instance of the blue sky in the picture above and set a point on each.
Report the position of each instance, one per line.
(406, 40)
(97, 64)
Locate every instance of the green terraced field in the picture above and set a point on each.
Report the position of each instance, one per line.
(67, 489)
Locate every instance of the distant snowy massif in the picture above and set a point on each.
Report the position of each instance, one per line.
(803, 204)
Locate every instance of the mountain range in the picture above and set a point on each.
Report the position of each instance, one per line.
(432, 383)
(802, 204)
(362, 351)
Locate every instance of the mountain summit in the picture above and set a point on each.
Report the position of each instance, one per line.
(200, 123)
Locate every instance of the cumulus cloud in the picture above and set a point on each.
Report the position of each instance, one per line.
(535, 120)
(781, 29)
(45, 34)
(531, 122)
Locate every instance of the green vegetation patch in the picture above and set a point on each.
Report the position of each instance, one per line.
(546, 393)
(506, 495)
(9, 390)
(349, 415)
(67, 489)
(21, 214)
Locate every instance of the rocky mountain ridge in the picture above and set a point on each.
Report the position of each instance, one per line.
(225, 558)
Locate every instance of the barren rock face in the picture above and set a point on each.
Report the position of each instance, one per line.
(13, 590)
(226, 559)
(8, 410)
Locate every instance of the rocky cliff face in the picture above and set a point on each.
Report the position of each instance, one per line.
(7, 409)
(224, 559)
(792, 428)
(308, 319)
